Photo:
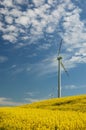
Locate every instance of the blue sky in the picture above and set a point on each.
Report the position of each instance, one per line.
(30, 33)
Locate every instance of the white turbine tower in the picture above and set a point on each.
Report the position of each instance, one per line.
(60, 64)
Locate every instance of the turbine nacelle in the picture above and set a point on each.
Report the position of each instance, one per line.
(59, 58)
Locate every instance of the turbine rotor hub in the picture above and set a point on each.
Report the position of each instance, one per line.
(59, 58)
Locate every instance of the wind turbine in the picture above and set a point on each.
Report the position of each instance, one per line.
(60, 64)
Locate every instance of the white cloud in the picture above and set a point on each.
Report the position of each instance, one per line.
(74, 28)
(31, 97)
(38, 3)
(30, 100)
(32, 55)
(51, 2)
(7, 3)
(75, 59)
(32, 94)
(24, 20)
(49, 65)
(21, 2)
(70, 87)
(2, 29)
(4, 101)
(9, 37)
(15, 12)
(37, 19)
(45, 46)
(13, 66)
(28, 69)
(81, 51)
(18, 71)
(9, 19)
(34, 23)
(3, 59)
(11, 28)
(46, 66)
(8, 102)
(50, 29)
(20, 45)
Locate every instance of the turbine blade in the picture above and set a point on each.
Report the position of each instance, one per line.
(64, 69)
(60, 45)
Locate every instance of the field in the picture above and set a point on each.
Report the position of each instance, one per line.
(67, 113)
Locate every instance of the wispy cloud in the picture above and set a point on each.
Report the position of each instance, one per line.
(16, 71)
(45, 46)
(32, 94)
(49, 65)
(3, 59)
(45, 66)
(13, 66)
(8, 102)
(31, 97)
(30, 100)
(72, 87)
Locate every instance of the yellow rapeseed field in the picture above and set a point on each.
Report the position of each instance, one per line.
(53, 114)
